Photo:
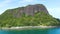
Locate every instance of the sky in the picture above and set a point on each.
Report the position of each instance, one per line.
(53, 6)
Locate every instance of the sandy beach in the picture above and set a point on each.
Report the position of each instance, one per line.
(29, 27)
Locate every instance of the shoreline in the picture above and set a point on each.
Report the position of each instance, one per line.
(29, 27)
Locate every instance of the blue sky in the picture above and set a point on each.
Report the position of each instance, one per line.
(53, 6)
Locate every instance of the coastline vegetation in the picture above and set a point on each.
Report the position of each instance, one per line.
(40, 18)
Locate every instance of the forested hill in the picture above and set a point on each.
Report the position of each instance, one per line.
(31, 15)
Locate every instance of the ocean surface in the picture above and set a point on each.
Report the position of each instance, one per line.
(32, 31)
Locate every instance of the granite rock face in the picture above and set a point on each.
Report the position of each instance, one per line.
(29, 10)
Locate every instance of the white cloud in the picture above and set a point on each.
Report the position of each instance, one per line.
(23, 1)
(5, 2)
(54, 9)
(27, 2)
(32, 1)
(55, 12)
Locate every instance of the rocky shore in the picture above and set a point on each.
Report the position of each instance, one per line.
(29, 27)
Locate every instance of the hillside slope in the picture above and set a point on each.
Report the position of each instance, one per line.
(31, 15)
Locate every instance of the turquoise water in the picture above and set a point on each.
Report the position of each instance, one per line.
(32, 31)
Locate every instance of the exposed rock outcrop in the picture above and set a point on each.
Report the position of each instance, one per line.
(31, 9)
(28, 10)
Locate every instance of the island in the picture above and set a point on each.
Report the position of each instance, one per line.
(31, 16)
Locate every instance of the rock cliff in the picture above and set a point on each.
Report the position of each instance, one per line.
(28, 10)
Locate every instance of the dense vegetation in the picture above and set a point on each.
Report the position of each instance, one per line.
(40, 18)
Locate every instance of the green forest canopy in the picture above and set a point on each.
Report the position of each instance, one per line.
(40, 18)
